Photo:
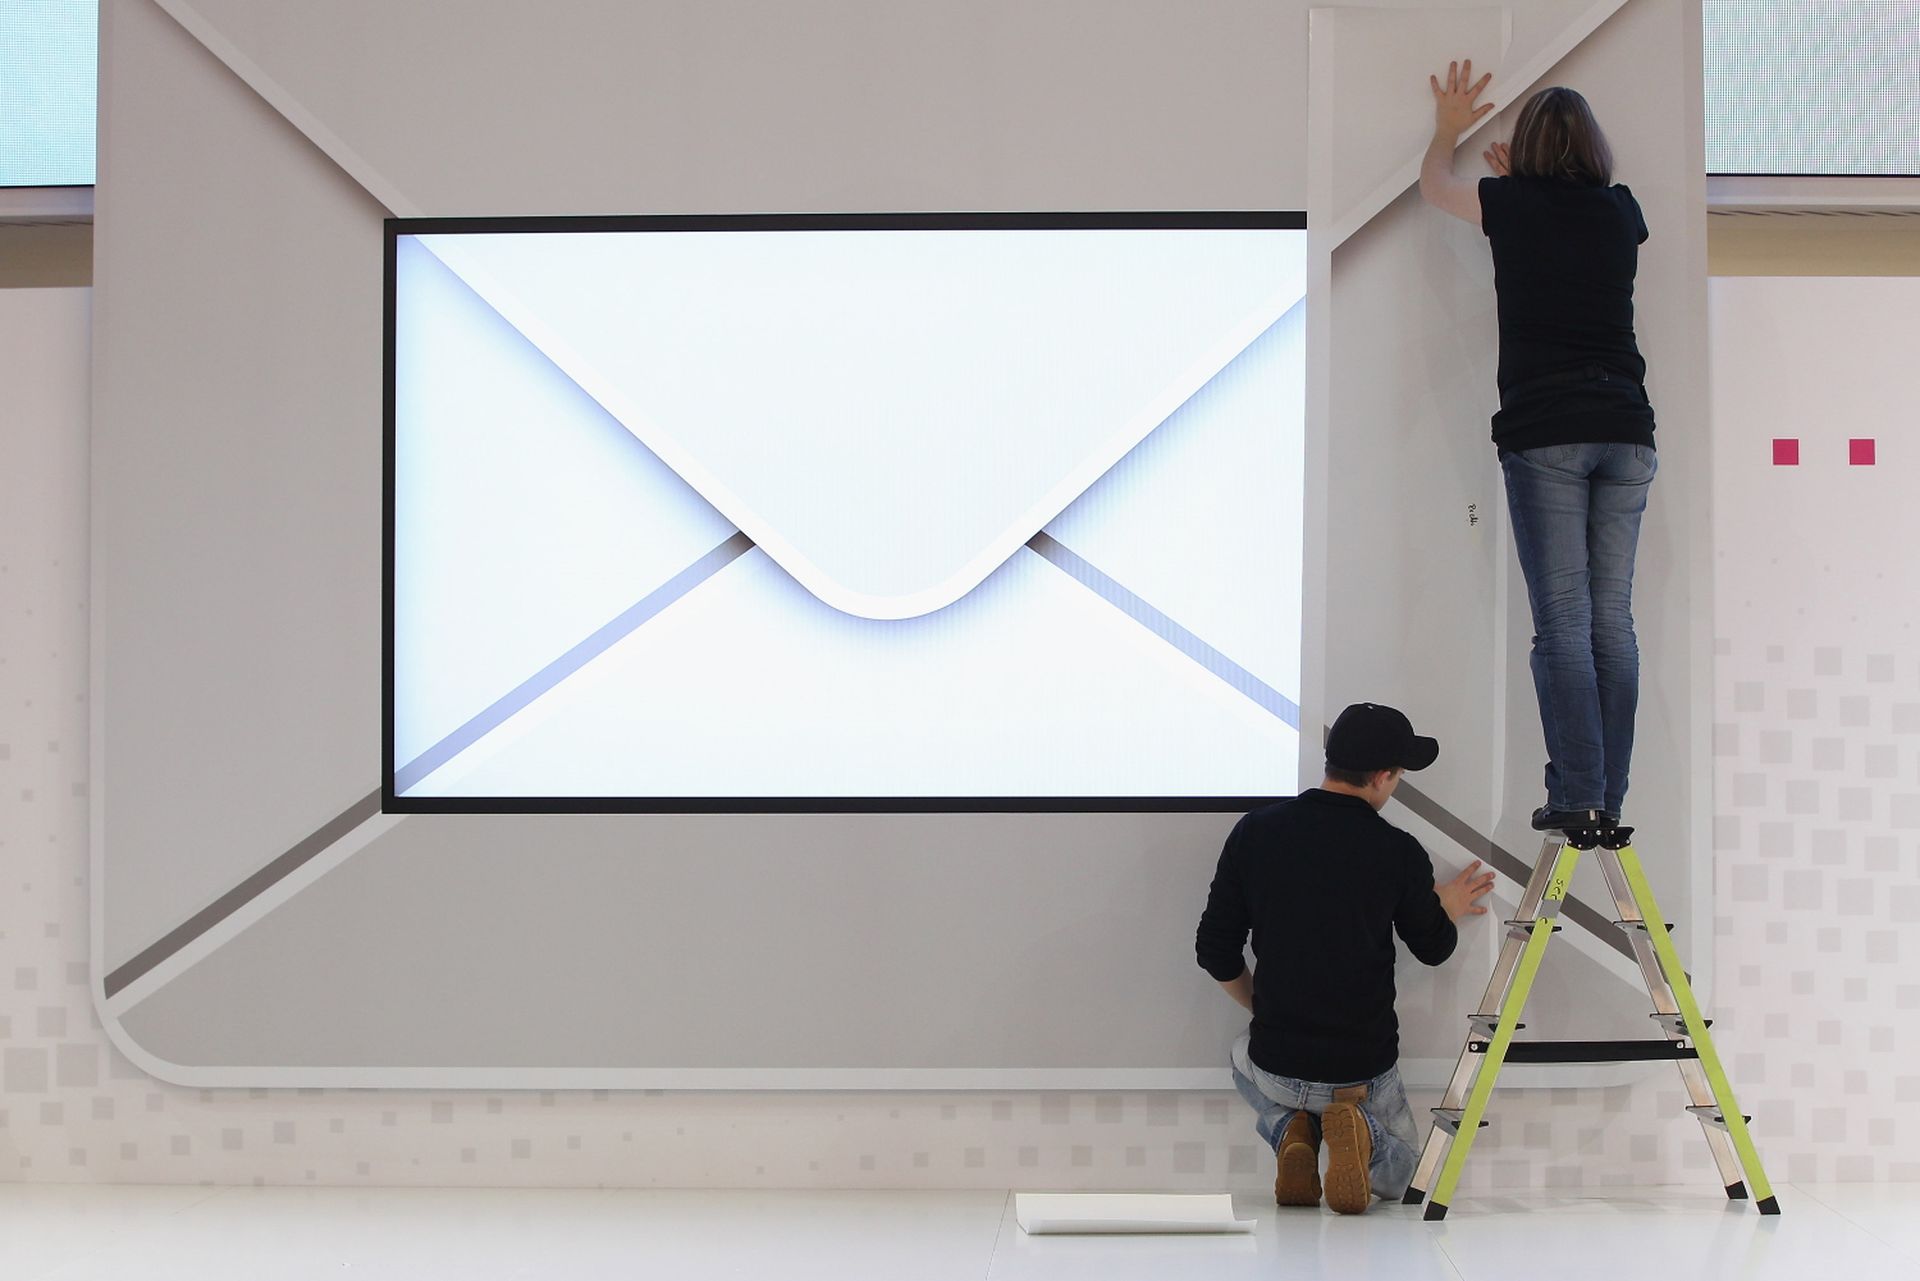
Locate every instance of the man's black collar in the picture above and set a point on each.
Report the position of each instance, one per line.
(1334, 798)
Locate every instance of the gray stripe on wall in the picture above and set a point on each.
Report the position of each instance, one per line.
(1418, 802)
(1502, 860)
(368, 806)
(1508, 864)
(570, 662)
(1077, 568)
(242, 894)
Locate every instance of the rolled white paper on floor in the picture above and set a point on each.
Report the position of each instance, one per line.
(1049, 1213)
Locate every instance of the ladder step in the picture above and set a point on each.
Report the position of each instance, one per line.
(1612, 837)
(1676, 1023)
(1708, 1114)
(1449, 1119)
(1639, 1051)
(1488, 1022)
(1639, 925)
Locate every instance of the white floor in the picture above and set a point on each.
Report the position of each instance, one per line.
(89, 1233)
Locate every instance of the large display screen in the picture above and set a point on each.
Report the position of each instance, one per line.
(841, 513)
(1813, 87)
(48, 55)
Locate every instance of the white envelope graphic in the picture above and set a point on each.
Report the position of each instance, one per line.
(847, 514)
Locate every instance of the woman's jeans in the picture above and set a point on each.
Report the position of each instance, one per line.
(1276, 1099)
(1576, 521)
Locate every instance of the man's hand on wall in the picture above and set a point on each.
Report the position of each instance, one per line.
(1461, 895)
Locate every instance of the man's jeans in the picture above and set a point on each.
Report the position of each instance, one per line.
(1576, 521)
(1396, 1144)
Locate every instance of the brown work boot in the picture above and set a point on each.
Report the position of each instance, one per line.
(1298, 1182)
(1349, 1152)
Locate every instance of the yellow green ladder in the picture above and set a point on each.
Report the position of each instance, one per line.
(1490, 1042)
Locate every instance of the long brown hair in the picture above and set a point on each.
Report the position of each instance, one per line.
(1557, 137)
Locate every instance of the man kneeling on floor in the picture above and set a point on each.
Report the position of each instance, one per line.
(1323, 882)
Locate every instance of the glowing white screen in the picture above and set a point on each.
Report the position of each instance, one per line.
(847, 515)
(1813, 86)
(47, 74)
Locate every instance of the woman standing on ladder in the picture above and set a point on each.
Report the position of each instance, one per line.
(1575, 429)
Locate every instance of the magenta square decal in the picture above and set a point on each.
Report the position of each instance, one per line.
(1786, 451)
(1860, 452)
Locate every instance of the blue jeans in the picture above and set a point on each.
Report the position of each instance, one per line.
(1576, 522)
(1396, 1144)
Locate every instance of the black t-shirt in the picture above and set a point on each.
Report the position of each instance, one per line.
(1322, 882)
(1564, 259)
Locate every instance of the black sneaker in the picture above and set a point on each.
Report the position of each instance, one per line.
(1548, 819)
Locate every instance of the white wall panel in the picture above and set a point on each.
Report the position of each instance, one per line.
(1817, 670)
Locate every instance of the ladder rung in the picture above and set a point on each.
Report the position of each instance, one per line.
(1708, 1114)
(1489, 1022)
(1449, 1119)
(1614, 838)
(1637, 1051)
(1676, 1023)
(1639, 925)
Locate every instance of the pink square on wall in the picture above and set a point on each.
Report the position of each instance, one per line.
(1860, 452)
(1786, 452)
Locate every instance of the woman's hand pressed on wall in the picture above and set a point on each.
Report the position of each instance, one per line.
(1499, 159)
(1454, 111)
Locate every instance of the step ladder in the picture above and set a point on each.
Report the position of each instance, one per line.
(1490, 1042)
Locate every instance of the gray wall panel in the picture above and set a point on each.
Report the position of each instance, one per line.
(703, 106)
(767, 942)
(237, 488)
(236, 482)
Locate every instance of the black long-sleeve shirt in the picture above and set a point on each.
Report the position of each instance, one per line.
(1323, 883)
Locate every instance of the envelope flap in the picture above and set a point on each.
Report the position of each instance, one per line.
(888, 414)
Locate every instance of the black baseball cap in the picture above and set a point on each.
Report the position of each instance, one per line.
(1369, 736)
